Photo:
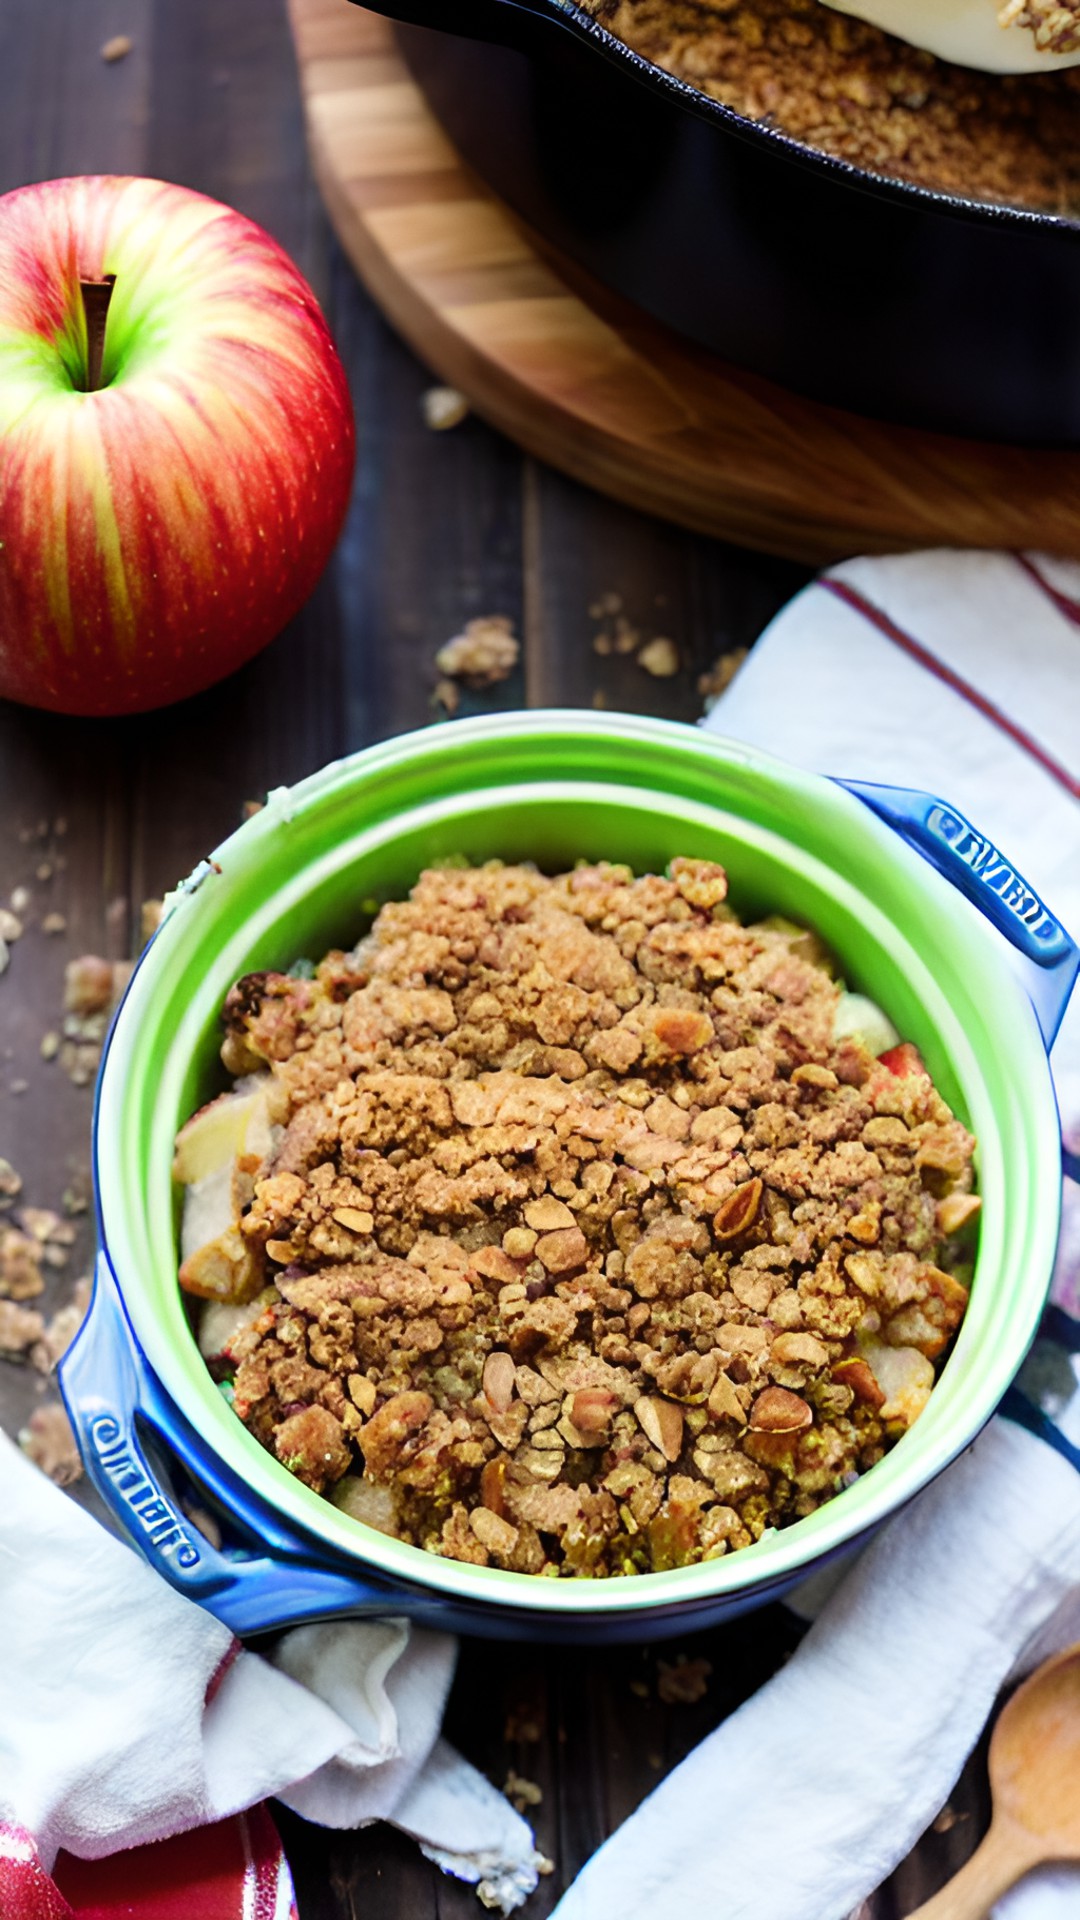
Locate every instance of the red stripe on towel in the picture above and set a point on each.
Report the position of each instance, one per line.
(233, 1870)
(222, 1668)
(26, 1890)
(1070, 608)
(915, 649)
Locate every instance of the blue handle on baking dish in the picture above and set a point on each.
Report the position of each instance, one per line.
(990, 881)
(113, 1400)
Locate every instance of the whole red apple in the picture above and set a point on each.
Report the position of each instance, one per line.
(176, 443)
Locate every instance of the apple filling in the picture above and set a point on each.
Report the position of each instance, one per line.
(569, 1225)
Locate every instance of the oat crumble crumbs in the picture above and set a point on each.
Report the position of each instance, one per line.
(20, 1329)
(720, 675)
(1055, 24)
(93, 987)
(152, 912)
(443, 408)
(849, 89)
(47, 1439)
(483, 654)
(524, 1723)
(660, 657)
(682, 1682)
(576, 1243)
(522, 1793)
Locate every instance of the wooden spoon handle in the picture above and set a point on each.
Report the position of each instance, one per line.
(1003, 1857)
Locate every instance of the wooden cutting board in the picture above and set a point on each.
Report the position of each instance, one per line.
(584, 380)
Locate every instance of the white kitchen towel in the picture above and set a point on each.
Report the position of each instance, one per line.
(128, 1714)
(958, 673)
(805, 1799)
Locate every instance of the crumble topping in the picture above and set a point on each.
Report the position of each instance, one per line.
(1053, 24)
(577, 1243)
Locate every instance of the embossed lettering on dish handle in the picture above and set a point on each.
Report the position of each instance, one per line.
(990, 866)
(980, 871)
(149, 1511)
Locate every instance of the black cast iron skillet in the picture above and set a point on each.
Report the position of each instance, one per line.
(869, 294)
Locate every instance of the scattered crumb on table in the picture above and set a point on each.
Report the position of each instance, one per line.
(682, 1682)
(443, 407)
(47, 1440)
(522, 1792)
(720, 675)
(660, 657)
(485, 652)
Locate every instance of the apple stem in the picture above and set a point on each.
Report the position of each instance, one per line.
(96, 295)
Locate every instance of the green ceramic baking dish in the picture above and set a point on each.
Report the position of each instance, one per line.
(552, 787)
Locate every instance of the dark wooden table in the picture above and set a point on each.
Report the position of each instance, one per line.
(97, 817)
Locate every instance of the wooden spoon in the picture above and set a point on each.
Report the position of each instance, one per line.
(1035, 1782)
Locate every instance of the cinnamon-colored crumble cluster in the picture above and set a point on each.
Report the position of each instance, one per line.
(849, 89)
(1054, 24)
(585, 1248)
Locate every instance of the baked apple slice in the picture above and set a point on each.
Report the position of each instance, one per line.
(904, 1375)
(218, 1152)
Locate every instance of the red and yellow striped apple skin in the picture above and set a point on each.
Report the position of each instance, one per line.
(156, 534)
